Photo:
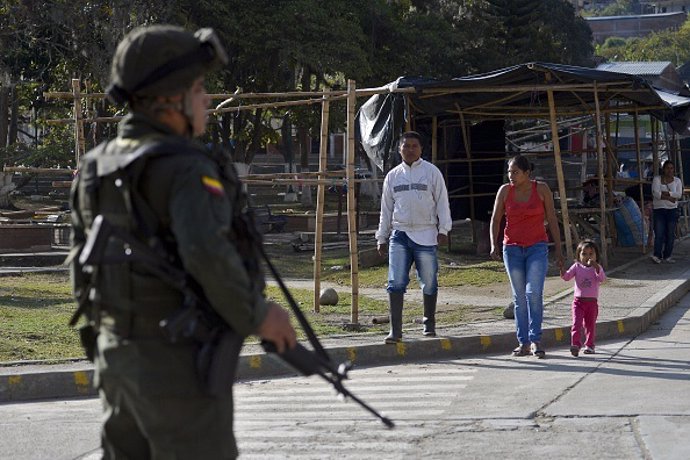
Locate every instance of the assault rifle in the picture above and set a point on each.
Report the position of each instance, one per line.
(217, 360)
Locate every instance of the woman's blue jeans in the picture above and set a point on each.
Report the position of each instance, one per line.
(526, 267)
(402, 251)
(664, 221)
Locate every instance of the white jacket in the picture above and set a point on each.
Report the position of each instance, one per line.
(675, 189)
(414, 200)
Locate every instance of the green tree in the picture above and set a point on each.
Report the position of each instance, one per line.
(619, 8)
(667, 45)
(282, 45)
(538, 30)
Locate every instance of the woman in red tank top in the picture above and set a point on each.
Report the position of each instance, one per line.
(526, 204)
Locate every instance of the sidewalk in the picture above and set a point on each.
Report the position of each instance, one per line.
(636, 294)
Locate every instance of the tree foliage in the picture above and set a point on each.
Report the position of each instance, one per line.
(619, 8)
(278, 46)
(538, 30)
(667, 45)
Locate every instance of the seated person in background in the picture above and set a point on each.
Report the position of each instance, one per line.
(648, 171)
(590, 190)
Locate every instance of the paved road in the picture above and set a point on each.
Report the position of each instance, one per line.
(629, 401)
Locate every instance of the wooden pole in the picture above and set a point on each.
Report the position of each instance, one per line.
(434, 139)
(679, 169)
(320, 196)
(79, 142)
(655, 145)
(600, 166)
(636, 126)
(559, 176)
(351, 205)
(468, 153)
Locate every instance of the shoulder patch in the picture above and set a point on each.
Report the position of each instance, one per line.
(213, 186)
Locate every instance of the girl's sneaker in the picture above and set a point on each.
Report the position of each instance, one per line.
(575, 351)
(589, 350)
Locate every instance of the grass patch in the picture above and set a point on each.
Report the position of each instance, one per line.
(34, 312)
(477, 274)
(331, 318)
(35, 308)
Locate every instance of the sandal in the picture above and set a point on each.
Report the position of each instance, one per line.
(521, 350)
(537, 350)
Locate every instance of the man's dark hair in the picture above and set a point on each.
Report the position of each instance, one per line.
(411, 135)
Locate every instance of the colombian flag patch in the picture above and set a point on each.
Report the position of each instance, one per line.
(213, 186)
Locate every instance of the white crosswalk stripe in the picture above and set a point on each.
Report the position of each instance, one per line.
(302, 418)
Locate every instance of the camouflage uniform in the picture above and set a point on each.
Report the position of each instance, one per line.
(185, 203)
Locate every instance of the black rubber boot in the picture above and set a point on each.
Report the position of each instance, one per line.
(395, 301)
(429, 320)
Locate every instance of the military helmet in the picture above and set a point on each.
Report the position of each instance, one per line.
(162, 60)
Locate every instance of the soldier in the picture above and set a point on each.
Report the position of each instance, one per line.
(160, 186)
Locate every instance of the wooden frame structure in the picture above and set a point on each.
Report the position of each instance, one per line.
(537, 91)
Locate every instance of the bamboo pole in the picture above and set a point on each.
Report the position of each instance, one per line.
(320, 197)
(559, 176)
(679, 163)
(268, 105)
(79, 141)
(434, 139)
(621, 86)
(468, 152)
(600, 168)
(636, 130)
(351, 205)
(360, 92)
(273, 181)
(64, 95)
(32, 170)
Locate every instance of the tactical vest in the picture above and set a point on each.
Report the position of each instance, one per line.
(126, 293)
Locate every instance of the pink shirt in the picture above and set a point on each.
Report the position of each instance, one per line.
(587, 279)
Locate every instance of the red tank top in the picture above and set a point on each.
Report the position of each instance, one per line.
(524, 221)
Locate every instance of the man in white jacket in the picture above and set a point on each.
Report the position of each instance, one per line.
(415, 219)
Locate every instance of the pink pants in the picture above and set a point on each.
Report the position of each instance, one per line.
(585, 314)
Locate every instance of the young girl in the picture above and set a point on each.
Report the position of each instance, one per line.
(588, 276)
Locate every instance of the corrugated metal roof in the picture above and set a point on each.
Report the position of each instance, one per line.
(632, 17)
(637, 68)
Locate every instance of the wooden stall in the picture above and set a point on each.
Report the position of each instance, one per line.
(523, 93)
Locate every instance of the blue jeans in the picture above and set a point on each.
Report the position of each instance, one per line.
(664, 221)
(526, 268)
(402, 251)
